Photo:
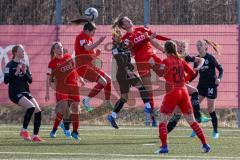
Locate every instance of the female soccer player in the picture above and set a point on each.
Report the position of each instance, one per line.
(125, 76)
(177, 95)
(62, 69)
(142, 52)
(209, 81)
(193, 92)
(85, 54)
(18, 77)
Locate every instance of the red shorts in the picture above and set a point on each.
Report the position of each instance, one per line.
(178, 96)
(144, 68)
(90, 72)
(67, 97)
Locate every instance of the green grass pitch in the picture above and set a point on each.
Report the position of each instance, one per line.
(103, 142)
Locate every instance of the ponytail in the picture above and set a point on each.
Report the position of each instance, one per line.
(118, 22)
(214, 45)
(88, 25)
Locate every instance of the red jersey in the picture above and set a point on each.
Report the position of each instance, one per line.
(83, 56)
(142, 48)
(63, 69)
(175, 69)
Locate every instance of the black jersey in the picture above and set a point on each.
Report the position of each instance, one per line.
(208, 73)
(123, 59)
(16, 83)
(189, 59)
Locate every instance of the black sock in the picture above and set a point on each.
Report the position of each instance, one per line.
(27, 117)
(118, 106)
(214, 121)
(37, 122)
(196, 106)
(173, 122)
(66, 123)
(144, 94)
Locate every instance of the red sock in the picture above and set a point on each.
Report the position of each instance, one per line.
(75, 121)
(95, 90)
(57, 121)
(199, 132)
(163, 133)
(107, 91)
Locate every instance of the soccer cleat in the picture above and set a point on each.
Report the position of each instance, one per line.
(206, 148)
(112, 121)
(75, 135)
(205, 119)
(67, 134)
(193, 134)
(86, 105)
(25, 135)
(53, 134)
(37, 138)
(215, 135)
(162, 150)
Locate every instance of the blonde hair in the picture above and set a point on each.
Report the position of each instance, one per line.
(171, 48)
(214, 45)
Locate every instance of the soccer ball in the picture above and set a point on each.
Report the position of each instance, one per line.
(91, 13)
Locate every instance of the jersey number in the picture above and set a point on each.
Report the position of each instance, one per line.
(178, 75)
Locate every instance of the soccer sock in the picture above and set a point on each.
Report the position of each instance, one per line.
(57, 121)
(199, 132)
(144, 94)
(214, 121)
(66, 123)
(97, 88)
(173, 122)
(37, 122)
(196, 106)
(107, 91)
(27, 117)
(163, 133)
(118, 106)
(75, 121)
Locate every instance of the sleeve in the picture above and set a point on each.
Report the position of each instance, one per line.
(159, 37)
(28, 76)
(189, 71)
(82, 42)
(218, 66)
(9, 76)
(189, 59)
(50, 68)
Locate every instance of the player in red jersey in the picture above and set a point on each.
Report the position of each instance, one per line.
(142, 51)
(62, 69)
(174, 69)
(85, 55)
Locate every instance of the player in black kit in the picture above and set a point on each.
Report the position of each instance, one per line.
(125, 76)
(18, 77)
(209, 81)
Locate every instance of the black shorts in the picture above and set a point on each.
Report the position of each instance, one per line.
(126, 83)
(209, 92)
(15, 97)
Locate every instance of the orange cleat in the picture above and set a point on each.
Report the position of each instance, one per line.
(25, 135)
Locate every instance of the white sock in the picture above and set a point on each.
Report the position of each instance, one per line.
(114, 115)
(147, 105)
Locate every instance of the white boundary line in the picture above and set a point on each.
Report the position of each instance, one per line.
(117, 155)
